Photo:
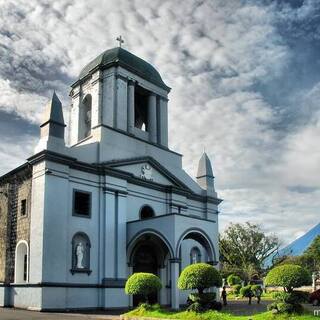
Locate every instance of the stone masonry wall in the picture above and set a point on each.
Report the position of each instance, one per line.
(13, 225)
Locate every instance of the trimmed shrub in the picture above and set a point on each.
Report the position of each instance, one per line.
(199, 276)
(288, 276)
(202, 298)
(256, 290)
(195, 307)
(272, 306)
(294, 297)
(284, 307)
(143, 284)
(246, 292)
(236, 289)
(233, 280)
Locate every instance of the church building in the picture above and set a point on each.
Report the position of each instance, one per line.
(80, 216)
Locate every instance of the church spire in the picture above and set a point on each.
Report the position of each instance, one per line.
(52, 127)
(53, 113)
(205, 177)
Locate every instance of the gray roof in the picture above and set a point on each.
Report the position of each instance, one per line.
(124, 58)
(53, 111)
(204, 167)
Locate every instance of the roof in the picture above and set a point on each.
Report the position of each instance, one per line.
(204, 167)
(124, 58)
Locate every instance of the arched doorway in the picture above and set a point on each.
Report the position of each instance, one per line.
(202, 239)
(21, 268)
(149, 252)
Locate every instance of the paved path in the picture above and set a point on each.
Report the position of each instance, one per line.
(16, 314)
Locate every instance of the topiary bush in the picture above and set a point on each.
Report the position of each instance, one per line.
(142, 283)
(246, 292)
(199, 276)
(289, 277)
(233, 280)
(236, 289)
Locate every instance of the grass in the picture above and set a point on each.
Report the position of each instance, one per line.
(156, 312)
(265, 296)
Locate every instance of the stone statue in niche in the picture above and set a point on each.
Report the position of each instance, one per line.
(146, 172)
(80, 255)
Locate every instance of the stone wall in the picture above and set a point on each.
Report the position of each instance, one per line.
(14, 227)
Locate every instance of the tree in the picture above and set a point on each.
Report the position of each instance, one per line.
(199, 276)
(309, 260)
(245, 247)
(312, 255)
(288, 276)
(142, 283)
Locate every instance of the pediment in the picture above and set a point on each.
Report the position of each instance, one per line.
(148, 169)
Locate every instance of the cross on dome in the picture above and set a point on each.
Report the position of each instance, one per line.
(120, 40)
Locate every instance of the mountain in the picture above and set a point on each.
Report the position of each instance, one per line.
(297, 247)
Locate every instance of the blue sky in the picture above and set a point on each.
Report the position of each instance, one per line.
(245, 85)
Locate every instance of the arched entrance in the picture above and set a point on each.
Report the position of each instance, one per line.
(200, 237)
(149, 252)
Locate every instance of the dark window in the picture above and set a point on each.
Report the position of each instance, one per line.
(141, 108)
(146, 212)
(82, 203)
(25, 266)
(23, 207)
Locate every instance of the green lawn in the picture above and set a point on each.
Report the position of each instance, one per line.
(211, 315)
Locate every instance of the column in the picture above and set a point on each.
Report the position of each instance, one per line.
(175, 265)
(152, 118)
(163, 122)
(131, 85)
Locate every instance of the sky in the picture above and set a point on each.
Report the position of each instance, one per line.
(245, 79)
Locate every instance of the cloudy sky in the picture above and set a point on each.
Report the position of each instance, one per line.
(245, 78)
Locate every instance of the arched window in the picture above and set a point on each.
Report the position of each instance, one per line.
(80, 253)
(85, 117)
(195, 255)
(146, 212)
(21, 268)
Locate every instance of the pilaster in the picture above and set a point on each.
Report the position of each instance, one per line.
(131, 87)
(152, 118)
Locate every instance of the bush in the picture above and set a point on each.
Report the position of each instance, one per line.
(143, 284)
(246, 292)
(294, 297)
(202, 298)
(195, 307)
(233, 280)
(256, 290)
(284, 307)
(236, 289)
(199, 276)
(288, 276)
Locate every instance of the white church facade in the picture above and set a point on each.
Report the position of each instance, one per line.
(81, 216)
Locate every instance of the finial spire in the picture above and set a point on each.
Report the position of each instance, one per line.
(120, 40)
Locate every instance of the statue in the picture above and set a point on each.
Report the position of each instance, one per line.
(146, 172)
(80, 255)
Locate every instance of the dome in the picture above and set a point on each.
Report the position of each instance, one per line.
(127, 60)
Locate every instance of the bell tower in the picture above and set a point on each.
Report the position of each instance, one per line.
(118, 91)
